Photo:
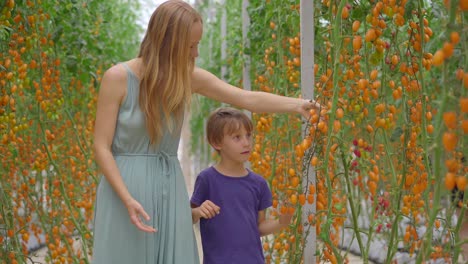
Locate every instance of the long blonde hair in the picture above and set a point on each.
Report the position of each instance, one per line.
(165, 87)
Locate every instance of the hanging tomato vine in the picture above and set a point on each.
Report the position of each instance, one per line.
(389, 150)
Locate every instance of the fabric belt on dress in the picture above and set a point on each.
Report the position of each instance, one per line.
(162, 156)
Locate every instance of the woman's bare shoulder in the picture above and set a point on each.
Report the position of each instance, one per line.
(114, 82)
(116, 73)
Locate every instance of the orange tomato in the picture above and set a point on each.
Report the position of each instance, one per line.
(438, 58)
(294, 182)
(465, 126)
(454, 37)
(345, 13)
(302, 199)
(339, 113)
(464, 104)
(449, 140)
(272, 25)
(450, 181)
(357, 42)
(371, 35)
(430, 129)
(461, 183)
(293, 199)
(356, 25)
(465, 80)
(448, 50)
(450, 119)
(463, 5)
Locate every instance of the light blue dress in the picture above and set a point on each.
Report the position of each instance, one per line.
(154, 178)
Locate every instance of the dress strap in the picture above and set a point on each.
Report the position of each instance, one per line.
(132, 81)
(127, 67)
(130, 71)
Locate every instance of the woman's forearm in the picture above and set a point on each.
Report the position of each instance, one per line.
(105, 161)
(262, 102)
(207, 84)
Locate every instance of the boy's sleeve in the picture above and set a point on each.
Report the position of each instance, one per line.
(265, 197)
(200, 191)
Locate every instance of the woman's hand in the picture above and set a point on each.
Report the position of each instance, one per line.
(307, 105)
(136, 212)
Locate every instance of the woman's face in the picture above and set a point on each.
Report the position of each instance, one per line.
(197, 31)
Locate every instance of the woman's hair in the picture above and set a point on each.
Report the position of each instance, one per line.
(165, 88)
(226, 121)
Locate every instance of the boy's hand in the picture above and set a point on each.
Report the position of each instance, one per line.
(208, 209)
(285, 219)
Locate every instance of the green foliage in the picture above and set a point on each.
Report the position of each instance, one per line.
(52, 57)
(210, 59)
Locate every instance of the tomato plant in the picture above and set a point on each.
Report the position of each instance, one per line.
(388, 149)
(52, 54)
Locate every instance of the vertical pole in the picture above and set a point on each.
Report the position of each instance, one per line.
(246, 85)
(223, 40)
(211, 17)
(245, 30)
(307, 90)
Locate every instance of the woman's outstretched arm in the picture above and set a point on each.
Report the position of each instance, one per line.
(207, 84)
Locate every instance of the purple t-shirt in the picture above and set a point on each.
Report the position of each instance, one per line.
(232, 237)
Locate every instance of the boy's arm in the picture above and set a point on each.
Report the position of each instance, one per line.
(206, 210)
(195, 213)
(201, 206)
(270, 226)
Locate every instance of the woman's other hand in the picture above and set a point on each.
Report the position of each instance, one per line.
(136, 213)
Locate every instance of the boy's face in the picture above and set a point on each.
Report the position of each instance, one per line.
(236, 146)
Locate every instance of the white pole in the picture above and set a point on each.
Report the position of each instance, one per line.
(307, 90)
(211, 17)
(223, 40)
(246, 85)
(245, 30)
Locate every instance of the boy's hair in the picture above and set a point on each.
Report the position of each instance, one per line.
(225, 121)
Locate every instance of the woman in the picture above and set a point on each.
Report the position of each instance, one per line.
(139, 115)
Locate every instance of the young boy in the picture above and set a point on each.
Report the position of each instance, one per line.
(230, 200)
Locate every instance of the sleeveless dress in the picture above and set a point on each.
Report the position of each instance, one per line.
(154, 178)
